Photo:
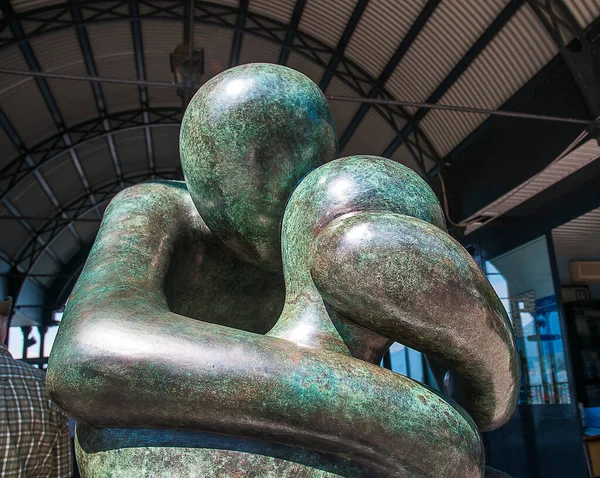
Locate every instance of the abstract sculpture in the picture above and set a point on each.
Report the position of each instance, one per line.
(185, 351)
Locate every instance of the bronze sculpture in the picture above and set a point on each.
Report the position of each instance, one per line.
(232, 325)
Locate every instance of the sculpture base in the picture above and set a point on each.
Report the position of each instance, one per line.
(141, 453)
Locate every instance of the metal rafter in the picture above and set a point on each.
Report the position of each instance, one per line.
(389, 68)
(138, 47)
(39, 240)
(188, 26)
(80, 206)
(574, 46)
(31, 60)
(343, 43)
(291, 33)
(43, 218)
(484, 40)
(86, 51)
(28, 161)
(52, 148)
(238, 36)
(34, 250)
(6, 258)
(51, 19)
(17, 216)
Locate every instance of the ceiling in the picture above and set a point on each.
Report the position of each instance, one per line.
(68, 147)
(579, 238)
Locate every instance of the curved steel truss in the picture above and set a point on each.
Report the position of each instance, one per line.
(54, 18)
(79, 207)
(51, 148)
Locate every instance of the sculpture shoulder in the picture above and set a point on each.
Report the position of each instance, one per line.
(142, 228)
(147, 195)
(154, 204)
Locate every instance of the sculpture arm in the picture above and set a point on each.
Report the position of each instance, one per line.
(410, 281)
(123, 359)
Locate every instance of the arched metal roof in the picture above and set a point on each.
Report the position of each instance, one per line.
(67, 147)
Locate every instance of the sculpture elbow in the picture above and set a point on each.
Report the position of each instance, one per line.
(76, 375)
(408, 280)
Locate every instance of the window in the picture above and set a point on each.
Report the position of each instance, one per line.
(522, 278)
(410, 363)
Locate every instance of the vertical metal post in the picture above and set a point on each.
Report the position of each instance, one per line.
(561, 317)
(238, 35)
(387, 360)
(343, 43)
(25, 331)
(292, 29)
(566, 344)
(138, 46)
(190, 29)
(42, 331)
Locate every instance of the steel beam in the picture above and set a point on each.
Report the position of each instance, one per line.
(343, 43)
(60, 288)
(562, 202)
(86, 51)
(502, 153)
(138, 48)
(27, 159)
(488, 35)
(389, 68)
(41, 242)
(291, 32)
(581, 58)
(42, 218)
(31, 60)
(5, 257)
(51, 19)
(52, 148)
(54, 226)
(238, 35)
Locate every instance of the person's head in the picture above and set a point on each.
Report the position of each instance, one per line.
(248, 136)
(5, 309)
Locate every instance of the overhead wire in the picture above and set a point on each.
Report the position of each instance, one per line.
(354, 99)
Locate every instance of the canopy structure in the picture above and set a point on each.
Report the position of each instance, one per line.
(69, 146)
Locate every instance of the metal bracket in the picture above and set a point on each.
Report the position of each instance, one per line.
(574, 46)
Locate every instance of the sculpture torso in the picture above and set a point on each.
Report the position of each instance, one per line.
(208, 282)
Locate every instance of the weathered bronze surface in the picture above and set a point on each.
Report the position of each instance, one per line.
(191, 346)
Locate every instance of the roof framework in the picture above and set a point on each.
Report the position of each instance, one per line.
(68, 149)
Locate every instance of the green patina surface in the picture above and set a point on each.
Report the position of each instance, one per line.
(186, 349)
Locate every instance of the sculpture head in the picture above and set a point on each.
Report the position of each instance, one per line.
(248, 137)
